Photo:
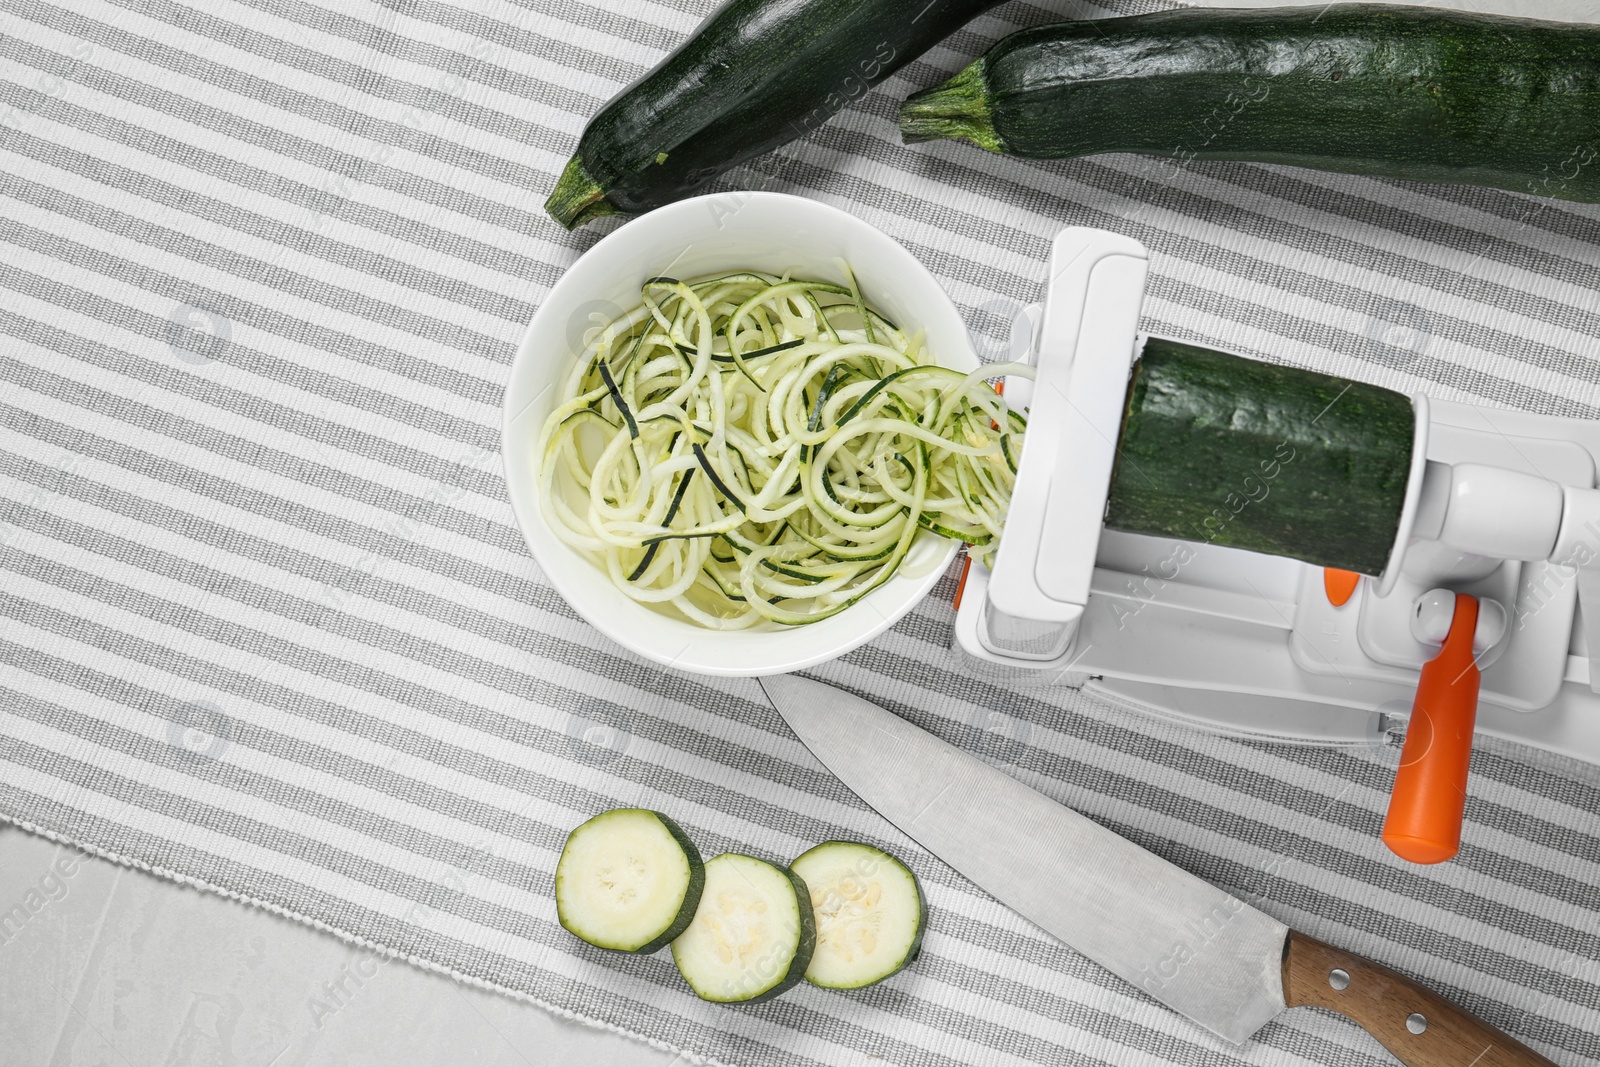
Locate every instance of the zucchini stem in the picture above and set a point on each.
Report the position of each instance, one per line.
(577, 198)
(957, 110)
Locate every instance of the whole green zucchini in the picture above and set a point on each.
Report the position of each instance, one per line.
(1232, 451)
(1388, 90)
(755, 75)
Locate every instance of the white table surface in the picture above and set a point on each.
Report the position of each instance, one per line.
(120, 968)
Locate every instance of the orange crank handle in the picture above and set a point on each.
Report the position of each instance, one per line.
(1430, 788)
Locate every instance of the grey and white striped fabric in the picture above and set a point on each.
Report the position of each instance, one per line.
(267, 624)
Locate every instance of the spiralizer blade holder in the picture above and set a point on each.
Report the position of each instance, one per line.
(1084, 351)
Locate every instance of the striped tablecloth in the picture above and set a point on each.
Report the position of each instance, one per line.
(267, 624)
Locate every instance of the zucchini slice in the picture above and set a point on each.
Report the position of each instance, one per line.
(870, 914)
(629, 880)
(752, 937)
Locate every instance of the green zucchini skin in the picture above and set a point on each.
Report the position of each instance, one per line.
(1232, 451)
(755, 75)
(1379, 89)
(808, 942)
(691, 899)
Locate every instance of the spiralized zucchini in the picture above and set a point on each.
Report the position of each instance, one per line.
(746, 447)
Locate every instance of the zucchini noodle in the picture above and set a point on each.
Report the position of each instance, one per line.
(747, 448)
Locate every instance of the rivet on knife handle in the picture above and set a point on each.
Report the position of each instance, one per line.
(1421, 1028)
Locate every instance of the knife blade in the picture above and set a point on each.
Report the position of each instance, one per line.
(1201, 951)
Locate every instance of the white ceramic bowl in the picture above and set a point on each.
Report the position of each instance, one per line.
(765, 231)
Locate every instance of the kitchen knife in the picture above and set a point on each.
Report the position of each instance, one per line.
(1198, 950)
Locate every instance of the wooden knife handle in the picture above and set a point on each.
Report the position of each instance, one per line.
(1393, 1009)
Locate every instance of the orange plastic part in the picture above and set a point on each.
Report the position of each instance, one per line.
(1430, 788)
(961, 586)
(1339, 585)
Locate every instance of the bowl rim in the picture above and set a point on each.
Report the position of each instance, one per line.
(526, 510)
